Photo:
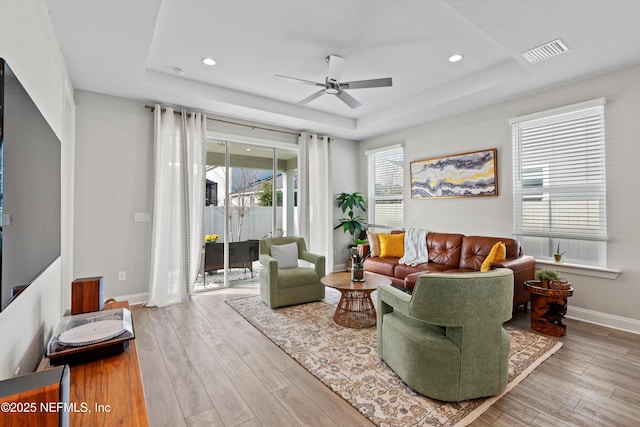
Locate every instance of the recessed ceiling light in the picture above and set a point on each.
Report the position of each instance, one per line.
(455, 58)
(208, 61)
(247, 149)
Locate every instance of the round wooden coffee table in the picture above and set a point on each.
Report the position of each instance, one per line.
(355, 309)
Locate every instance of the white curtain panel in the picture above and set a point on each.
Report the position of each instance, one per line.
(303, 186)
(315, 204)
(178, 205)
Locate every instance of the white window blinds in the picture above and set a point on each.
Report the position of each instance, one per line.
(386, 172)
(559, 173)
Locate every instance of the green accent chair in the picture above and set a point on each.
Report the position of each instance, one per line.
(446, 340)
(290, 286)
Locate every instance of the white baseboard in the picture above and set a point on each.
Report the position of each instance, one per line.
(604, 319)
(134, 299)
(339, 267)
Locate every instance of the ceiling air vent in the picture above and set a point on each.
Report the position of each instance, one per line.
(545, 51)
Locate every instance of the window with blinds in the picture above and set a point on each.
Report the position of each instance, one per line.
(386, 172)
(559, 189)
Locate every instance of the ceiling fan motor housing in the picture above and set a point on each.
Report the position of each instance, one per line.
(332, 87)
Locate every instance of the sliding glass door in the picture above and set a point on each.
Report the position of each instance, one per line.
(251, 194)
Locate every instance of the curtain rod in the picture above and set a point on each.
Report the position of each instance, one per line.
(151, 107)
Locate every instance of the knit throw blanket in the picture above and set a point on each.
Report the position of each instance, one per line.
(415, 247)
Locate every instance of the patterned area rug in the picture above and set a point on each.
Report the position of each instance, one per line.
(347, 362)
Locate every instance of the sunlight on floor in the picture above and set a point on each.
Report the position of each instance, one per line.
(238, 277)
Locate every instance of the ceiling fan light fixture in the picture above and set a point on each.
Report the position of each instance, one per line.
(455, 57)
(208, 61)
(332, 91)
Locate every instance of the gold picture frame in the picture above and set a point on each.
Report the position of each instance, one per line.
(472, 174)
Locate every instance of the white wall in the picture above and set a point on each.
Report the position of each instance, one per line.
(344, 170)
(114, 154)
(28, 43)
(606, 301)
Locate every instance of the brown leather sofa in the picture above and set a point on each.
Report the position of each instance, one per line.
(457, 253)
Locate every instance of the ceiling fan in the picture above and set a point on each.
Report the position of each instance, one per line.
(333, 86)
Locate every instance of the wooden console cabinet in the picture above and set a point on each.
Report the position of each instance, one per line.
(110, 389)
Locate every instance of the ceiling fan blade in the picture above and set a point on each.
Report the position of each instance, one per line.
(361, 84)
(307, 82)
(310, 98)
(348, 99)
(336, 64)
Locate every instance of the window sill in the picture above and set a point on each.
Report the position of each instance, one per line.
(584, 270)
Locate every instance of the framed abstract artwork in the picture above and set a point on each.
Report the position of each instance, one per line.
(471, 174)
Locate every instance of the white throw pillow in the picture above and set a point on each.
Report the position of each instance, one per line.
(286, 255)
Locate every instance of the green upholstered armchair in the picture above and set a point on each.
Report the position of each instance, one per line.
(288, 286)
(446, 340)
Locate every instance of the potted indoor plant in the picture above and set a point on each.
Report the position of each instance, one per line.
(545, 276)
(354, 224)
(558, 254)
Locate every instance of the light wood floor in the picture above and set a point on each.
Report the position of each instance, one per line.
(204, 365)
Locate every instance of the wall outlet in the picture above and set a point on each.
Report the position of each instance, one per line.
(141, 217)
(122, 276)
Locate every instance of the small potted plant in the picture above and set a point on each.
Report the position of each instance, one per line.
(545, 276)
(558, 255)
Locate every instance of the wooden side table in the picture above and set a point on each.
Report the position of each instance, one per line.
(548, 308)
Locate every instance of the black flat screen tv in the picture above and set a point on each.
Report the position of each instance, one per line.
(29, 189)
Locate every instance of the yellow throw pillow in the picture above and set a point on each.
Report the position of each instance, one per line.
(391, 245)
(497, 253)
(374, 243)
(501, 252)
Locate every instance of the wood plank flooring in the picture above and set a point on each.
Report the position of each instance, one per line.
(204, 365)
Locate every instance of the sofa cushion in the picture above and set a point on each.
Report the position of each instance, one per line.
(298, 276)
(476, 248)
(381, 265)
(410, 279)
(391, 245)
(402, 270)
(444, 248)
